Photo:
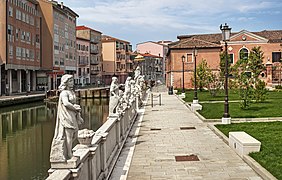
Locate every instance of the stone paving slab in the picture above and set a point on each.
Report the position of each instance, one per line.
(158, 139)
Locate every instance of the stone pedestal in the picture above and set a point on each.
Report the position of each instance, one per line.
(243, 143)
(182, 95)
(226, 120)
(69, 164)
(195, 106)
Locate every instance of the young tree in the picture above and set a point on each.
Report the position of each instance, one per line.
(203, 75)
(247, 71)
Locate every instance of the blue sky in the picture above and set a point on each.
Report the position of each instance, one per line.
(153, 20)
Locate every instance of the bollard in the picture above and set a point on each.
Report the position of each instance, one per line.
(152, 100)
(160, 99)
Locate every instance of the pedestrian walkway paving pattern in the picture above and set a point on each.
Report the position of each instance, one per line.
(163, 133)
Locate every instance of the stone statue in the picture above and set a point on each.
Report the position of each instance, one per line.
(137, 72)
(114, 96)
(67, 122)
(132, 89)
(127, 90)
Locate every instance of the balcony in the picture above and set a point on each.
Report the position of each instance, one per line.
(82, 62)
(95, 72)
(94, 62)
(95, 40)
(120, 50)
(94, 51)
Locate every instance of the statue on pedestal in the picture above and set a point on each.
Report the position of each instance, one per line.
(67, 122)
(114, 96)
(127, 90)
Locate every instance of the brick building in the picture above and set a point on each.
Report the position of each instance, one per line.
(20, 38)
(209, 47)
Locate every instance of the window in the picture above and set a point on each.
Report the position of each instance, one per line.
(23, 17)
(37, 38)
(27, 18)
(37, 55)
(18, 52)
(188, 58)
(23, 53)
(11, 50)
(276, 56)
(31, 55)
(18, 15)
(10, 11)
(31, 20)
(27, 53)
(23, 36)
(10, 33)
(244, 53)
(28, 37)
(17, 34)
(231, 58)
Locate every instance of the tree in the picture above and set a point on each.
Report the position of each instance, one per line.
(203, 75)
(247, 71)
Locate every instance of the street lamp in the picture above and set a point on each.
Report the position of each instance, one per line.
(183, 60)
(195, 100)
(226, 31)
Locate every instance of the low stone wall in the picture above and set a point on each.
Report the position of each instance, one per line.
(16, 100)
(96, 162)
(93, 93)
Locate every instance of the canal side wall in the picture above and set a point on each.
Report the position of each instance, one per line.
(22, 99)
(93, 93)
(97, 161)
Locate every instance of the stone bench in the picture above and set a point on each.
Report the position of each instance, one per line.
(243, 143)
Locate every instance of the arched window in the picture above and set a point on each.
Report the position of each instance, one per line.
(244, 53)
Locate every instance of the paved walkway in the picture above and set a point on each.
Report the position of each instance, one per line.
(156, 139)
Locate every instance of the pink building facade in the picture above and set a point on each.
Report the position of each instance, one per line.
(157, 49)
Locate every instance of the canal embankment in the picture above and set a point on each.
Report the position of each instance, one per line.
(17, 99)
(20, 99)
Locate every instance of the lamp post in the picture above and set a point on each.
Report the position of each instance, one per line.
(195, 100)
(183, 60)
(226, 31)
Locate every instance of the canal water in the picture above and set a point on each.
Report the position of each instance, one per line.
(26, 132)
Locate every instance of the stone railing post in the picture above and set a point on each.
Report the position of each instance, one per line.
(104, 153)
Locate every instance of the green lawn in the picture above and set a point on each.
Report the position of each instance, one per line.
(206, 96)
(269, 108)
(270, 136)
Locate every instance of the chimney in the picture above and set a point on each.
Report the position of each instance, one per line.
(62, 5)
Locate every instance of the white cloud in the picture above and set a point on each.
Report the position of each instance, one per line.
(178, 16)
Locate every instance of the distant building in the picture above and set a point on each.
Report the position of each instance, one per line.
(20, 37)
(89, 47)
(58, 42)
(82, 76)
(209, 47)
(151, 66)
(159, 48)
(116, 59)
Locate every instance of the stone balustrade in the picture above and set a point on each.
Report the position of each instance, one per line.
(96, 161)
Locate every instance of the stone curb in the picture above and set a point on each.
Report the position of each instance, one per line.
(249, 160)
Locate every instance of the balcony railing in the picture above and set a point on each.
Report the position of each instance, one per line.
(94, 51)
(94, 62)
(82, 62)
(95, 40)
(93, 72)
